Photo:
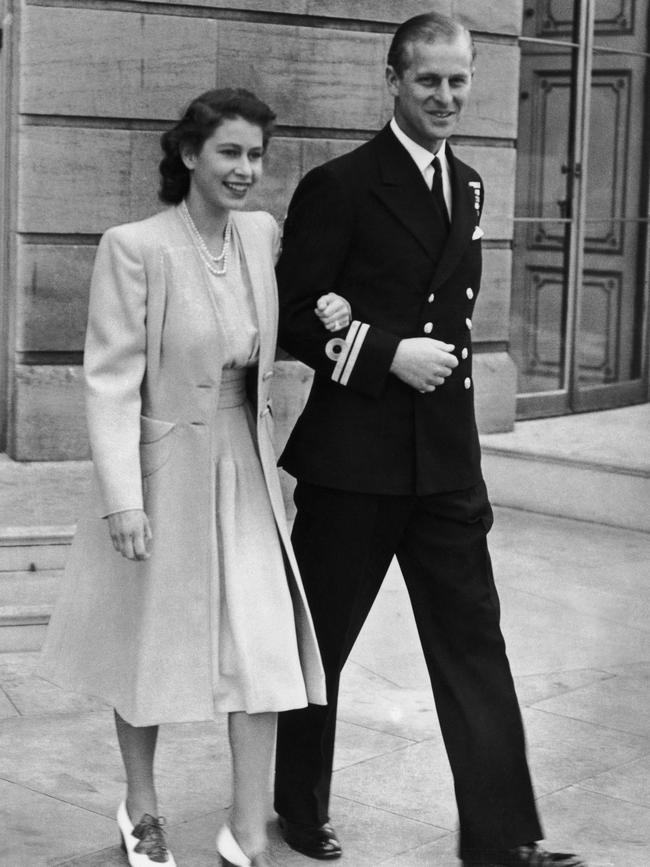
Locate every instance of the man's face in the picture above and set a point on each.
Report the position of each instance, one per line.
(432, 91)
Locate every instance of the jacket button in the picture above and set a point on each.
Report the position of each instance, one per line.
(428, 328)
(468, 382)
(267, 375)
(265, 411)
(431, 298)
(468, 322)
(469, 292)
(464, 353)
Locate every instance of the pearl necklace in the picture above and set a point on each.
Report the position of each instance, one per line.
(217, 265)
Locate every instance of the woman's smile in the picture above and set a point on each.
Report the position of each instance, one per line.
(238, 188)
(227, 166)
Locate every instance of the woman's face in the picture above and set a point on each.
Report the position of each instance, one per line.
(227, 166)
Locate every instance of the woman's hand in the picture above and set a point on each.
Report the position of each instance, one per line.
(131, 534)
(333, 311)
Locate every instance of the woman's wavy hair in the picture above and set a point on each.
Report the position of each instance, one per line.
(200, 119)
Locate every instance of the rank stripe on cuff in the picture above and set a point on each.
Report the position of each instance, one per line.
(348, 356)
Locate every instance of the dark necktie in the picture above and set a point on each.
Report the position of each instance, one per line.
(437, 193)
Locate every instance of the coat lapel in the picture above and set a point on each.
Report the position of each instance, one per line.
(463, 221)
(404, 192)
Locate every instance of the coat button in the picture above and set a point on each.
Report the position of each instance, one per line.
(468, 322)
(428, 328)
(469, 292)
(265, 411)
(267, 375)
(468, 382)
(464, 353)
(431, 298)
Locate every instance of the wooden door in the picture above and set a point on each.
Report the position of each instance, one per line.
(544, 218)
(580, 241)
(610, 325)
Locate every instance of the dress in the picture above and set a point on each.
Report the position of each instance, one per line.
(251, 577)
(216, 619)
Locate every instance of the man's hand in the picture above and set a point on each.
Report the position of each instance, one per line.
(131, 534)
(333, 311)
(423, 363)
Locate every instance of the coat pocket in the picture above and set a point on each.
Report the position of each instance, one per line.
(156, 444)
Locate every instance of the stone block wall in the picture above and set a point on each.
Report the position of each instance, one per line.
(90, 86)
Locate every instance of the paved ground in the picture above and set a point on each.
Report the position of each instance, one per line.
(576, 612)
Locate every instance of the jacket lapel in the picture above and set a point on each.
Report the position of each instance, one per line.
(463, 221)
(403, 190)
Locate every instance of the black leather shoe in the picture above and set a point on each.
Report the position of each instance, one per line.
(315, 841)
(530, 855)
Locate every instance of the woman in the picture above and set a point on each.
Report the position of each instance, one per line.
(204, 612)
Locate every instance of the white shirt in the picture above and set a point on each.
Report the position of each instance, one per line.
(423, 159)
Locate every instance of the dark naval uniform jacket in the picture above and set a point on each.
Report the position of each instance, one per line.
(365, 225)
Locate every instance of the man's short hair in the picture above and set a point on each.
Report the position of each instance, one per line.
(430, 27)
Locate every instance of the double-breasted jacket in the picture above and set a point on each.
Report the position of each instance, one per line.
(365, 226)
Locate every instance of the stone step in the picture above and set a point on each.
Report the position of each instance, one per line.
(34, 548)
(23, 625)
(566, 489)
(26, 602)
(22, 628)
(25, 615)
(592, 468)
(31, 565)
(29, 588)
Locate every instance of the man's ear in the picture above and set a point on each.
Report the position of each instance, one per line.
(392, 81)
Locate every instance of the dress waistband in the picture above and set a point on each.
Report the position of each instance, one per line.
(233, 387)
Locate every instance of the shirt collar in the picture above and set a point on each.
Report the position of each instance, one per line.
(421, 156)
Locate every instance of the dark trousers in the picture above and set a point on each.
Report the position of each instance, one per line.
(344, 543)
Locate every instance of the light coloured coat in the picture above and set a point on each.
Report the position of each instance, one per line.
(138, 633)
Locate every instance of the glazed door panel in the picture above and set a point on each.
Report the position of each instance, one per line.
(615, 266)
(580, 270)
(543, 213)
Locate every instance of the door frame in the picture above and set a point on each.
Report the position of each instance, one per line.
(8, 193)
(570, 397)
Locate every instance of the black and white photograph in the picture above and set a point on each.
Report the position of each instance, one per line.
(324, 433)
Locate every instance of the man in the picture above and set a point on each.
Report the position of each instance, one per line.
(386, 451)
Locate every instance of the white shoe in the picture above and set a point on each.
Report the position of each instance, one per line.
(232, 855)
(228, 848)
(147, 837)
